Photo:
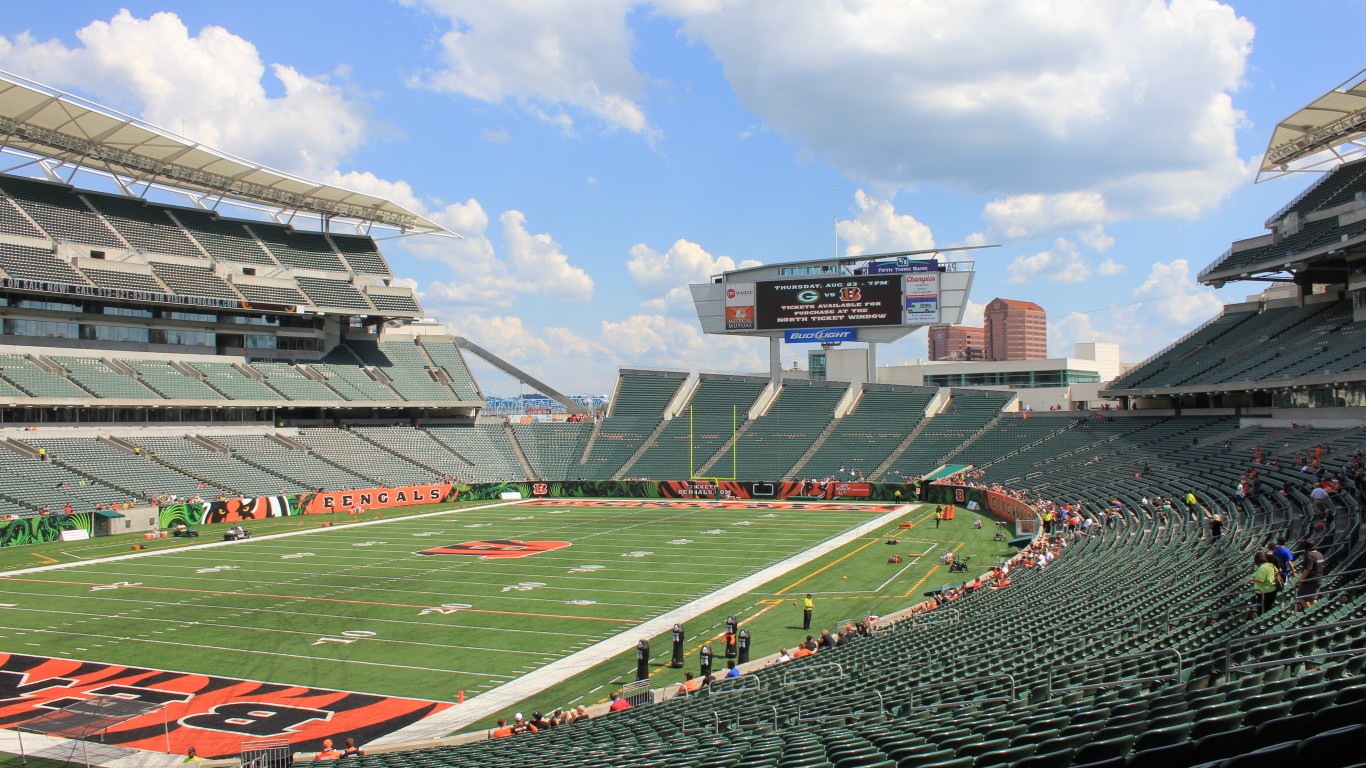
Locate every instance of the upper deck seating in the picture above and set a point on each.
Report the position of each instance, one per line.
(61, 211)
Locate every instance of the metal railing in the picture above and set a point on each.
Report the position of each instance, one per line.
(729, 686)
(1174, 676)
(1137, 628)
(950, 616)
(707, 721)
(959, 683)
(748, 718)
(833, 707)
(1230, 667)
(813, 674)
(637, 693)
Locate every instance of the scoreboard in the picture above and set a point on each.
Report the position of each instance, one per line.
(828, 302)
(877, 300)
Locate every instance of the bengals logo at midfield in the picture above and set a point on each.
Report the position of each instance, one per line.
(497, 548)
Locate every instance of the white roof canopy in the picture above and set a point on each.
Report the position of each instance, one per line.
(45, 122)
(1321, 135)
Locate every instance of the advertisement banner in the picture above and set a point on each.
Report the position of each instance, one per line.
(902, 266)
(825, 302)
(740, 307)
(922, 298)
(37, 530)
(704, 489)
(820, 335)
(376, 498)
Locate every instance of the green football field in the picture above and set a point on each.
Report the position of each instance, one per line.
(356, 607)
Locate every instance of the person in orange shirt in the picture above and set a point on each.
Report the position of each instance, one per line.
(802, 652)
(328, 752)
(501, 731)
(690, 684)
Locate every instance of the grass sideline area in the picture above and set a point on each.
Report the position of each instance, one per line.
(354, 608)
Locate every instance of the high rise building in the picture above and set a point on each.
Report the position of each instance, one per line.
(1015, 330)
(956, 342)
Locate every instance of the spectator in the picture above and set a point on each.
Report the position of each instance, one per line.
(1283, 559)
(731, 669)
(352, 750)
(539, 723)
(328, 752)
(502, 731)
(1216, 528)
(1320, 498)
(618, 704)
(580, 712)
(690, 684)
(1311, 574)
(191, 756)
(1263, 581)
(520, 726)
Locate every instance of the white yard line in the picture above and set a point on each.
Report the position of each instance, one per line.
(491, 702)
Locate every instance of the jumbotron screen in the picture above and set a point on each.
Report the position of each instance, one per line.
(828, 302)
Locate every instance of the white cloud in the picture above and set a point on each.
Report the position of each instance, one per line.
(499, 136)
(973, 314)
(1097, 239)
(534, 263)
(1111, 268)
(669, 341)
(551, 58)
(1065, 332)
(878, 228)
(539, 263)
(577, 362)
(1030, 215)
(210, 86)
(1174, 295)
(1129, 99)
(671, 271)
(1061, 264)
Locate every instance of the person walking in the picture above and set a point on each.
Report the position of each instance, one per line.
(1263, 582)
(1311, 574)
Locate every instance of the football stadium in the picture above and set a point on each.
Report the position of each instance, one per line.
(255, 504)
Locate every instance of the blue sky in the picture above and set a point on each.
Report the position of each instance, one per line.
(599, 155)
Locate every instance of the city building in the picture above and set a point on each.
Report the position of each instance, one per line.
(1015, 330)
(1066, 383)
(956, 342)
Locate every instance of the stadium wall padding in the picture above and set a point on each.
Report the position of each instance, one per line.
(36, 530)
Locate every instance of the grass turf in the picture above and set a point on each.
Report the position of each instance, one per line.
(352, 607)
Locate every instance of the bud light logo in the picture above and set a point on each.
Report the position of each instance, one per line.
(820, 335)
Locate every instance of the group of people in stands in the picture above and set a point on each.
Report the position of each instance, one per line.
(1274, 567)
(330, 753)
(827, 640)
(540, 722)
